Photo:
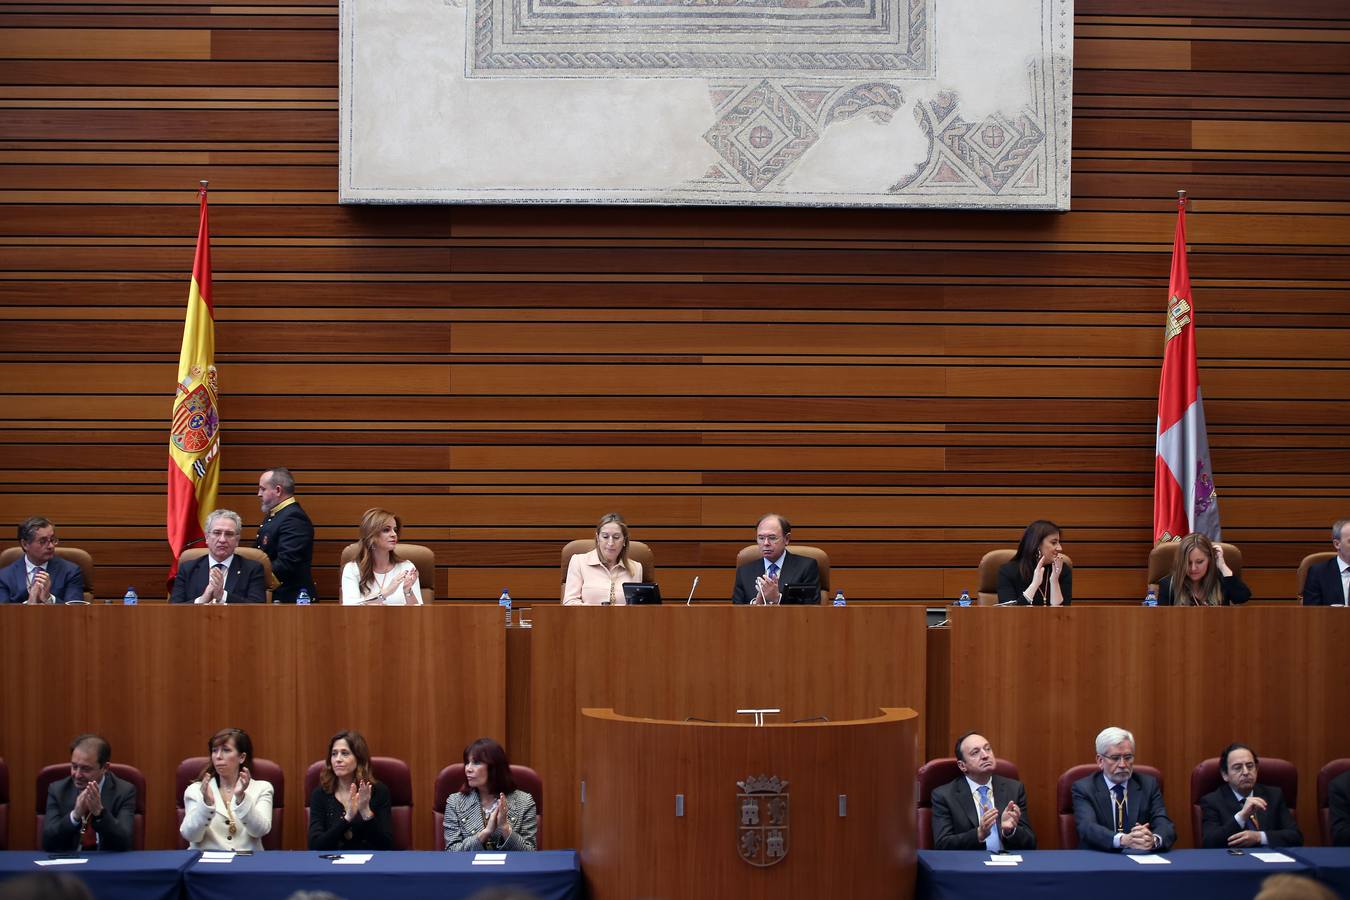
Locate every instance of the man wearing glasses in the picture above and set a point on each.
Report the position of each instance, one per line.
(1119, 808)
(1242, 813)
(222, 576)
(40, 576)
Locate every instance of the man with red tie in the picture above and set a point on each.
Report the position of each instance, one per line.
(93, 809)
(1242, 812)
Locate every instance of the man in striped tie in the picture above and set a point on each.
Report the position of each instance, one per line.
(980, 810)
(39, 575)
(1119, 808)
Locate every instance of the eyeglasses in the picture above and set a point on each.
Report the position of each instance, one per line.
(224, 534)
(1120, 758)
(51, 541)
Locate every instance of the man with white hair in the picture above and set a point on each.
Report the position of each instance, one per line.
(222, 575)
(1119, 808)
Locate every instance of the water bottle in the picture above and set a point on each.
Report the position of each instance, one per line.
(130, 598)
(838, 598)
(1151, 598)
(964, 599)
(504, 601)
(302, 598)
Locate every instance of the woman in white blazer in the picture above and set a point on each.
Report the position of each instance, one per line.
(227, 809)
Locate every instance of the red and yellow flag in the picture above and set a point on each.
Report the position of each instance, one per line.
(194, 435)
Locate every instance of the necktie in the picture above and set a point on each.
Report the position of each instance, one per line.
(1118, 792)
(1345, 574)
(88, 836)
(773, 569)
(1252, 823)
(992, 842)
(37, 569)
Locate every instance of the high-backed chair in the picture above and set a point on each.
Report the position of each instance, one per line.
(419, 555)
(190, 770)
(4, 804)
(52, 774)
(1163, 557)
(1068, 828)
(751, 553)
(934, 774)
(394, 774)
(79, 557)
(253, 553)
(1205, 779)
(1330, 772)
(451, 779)
(990, 563)
(639, 552)
(1312, 559)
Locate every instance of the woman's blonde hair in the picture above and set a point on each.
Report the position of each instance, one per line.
(1211, 586)
(372, 523)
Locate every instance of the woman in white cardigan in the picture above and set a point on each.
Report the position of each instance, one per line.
(378, 577)
(227, 809)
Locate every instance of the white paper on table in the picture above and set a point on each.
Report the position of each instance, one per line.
(488, 859)
(1274, 857)
(72, 861)
(1150, 859)
(216, 856)
(1014, 857)
(1003, 863)
(353, 859)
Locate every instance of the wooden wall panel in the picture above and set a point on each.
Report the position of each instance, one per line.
(909, 387)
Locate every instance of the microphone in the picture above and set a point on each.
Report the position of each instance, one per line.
(1007, 603)
(691, 592)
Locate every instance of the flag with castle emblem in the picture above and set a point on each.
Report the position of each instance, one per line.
(1184, 497)
(194, 435)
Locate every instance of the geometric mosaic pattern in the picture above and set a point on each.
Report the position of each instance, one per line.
(763, 128)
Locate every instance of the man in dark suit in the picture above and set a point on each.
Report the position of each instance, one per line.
(286, 535)
(1118, 808)
(93, 809)
(1338, 804)
(222, 576)
(1328, 583)
(1243, 813)
(966, 812)
(758, 582)
(39, 575)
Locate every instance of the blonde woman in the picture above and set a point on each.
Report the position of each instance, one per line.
(597, 578)
(378, 577)
(1200, 577)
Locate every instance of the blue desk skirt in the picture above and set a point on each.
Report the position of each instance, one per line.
(1190, 875)
(549, 874)
(150, 875)
(1330, 864)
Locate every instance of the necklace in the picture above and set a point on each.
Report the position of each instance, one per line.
(225, 799)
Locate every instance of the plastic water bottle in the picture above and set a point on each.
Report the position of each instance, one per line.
(504, 601)
(1151, 598)
(130, 598)
(839, 598)
(964, 599)
(302, 598)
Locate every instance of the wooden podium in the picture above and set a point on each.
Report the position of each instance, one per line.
(732, 809)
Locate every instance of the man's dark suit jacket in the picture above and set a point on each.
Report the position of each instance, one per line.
(1324, 585)
(1338, 802)
(795, 570)
(1218, 825)
(1093, 812)
(116, 827)
(287, 537)
(66, 578)
(955, 826)
(243, 582)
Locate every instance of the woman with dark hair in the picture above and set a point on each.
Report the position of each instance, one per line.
(349, 810)
(1037, 574)
(1200, 577)
(597, 578)
(489, 813)
(227, 809)
(378, 577)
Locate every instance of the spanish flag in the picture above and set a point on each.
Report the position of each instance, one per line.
(194, 435)
(1184, 497)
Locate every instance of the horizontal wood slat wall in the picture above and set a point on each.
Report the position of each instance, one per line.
(910, 388)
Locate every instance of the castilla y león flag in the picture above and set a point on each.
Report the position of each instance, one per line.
(1184, 497)
(194, 435)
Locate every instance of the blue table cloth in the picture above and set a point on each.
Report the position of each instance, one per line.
(1331, 865)
(1189, 874)
(150, 875)
(549, 874)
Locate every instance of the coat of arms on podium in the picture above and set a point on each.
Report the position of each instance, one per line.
(762, 820)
